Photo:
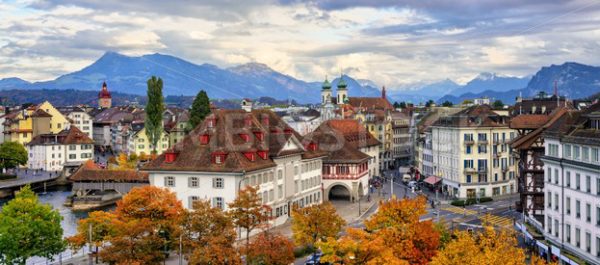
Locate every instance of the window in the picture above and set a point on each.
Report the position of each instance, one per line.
(568, 179)
(549, 199)
(568, 205)
(594, 155)
(549, 224)
(468, 163)
(549, 174)
(556, 201)
(577, 237)
(597, 216)
(568, 233)
(192, 200)
(577, 209)
(72, 156)
(169, 181)
(588, 213)
(588, 184)
(218, 183)
(280, 191)
(556, 227)
(482, 149)
(556, 176)
(468, 178)
(280, 174)
(482, 137)
(576, 153)
(193, 182)
(585, 153)
(218, 202)
(567, 151)
(468, 137)
(588, 242)
(72, 147)
(597, 186)
(468, 149)
(578, 181)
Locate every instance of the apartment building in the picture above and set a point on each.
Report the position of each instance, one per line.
(232, 149)
(572, 184)
(67, 149)
(471, 153)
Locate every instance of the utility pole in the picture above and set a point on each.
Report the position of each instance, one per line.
(181, 249)
(90, 244)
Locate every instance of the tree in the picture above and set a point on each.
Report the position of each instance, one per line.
(488, 247)
(467, 102)
(12, 154)
(447, 103)
(144, 224)
(154, 111)
(498, 104)
(209, 236)
(394, 235)
(268, 248)
(429, 103)
(248, 212)
(143, 156)
(28, 228)
(315, 223)
(124, 162)
(200, 108)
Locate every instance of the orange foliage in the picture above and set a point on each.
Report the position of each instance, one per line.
(273, 249)
(248, 212)
(394, 235)
(315, 223)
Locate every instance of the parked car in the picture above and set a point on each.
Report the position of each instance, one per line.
(414, 184)
(314, 259)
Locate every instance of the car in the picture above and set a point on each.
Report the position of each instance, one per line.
(314, 259)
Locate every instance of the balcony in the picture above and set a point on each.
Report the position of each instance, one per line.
(469, 142)
(482, 170)
(470, 170)
(482, 141)
(504, 169)
(497, 141)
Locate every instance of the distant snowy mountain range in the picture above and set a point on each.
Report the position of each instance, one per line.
(128, 74)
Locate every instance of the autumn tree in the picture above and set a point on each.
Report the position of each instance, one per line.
(209, 236)
(248, 212)
(101, 225)
(155, 107)
(270, 248)
(29, 228)
(144, 224)
(315, 223)
(394, 235)
(124, 162)
(489, 247)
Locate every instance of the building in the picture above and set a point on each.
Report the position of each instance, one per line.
(572, 184)
(231, 149)
(471, 153)
(139, 143)
(528, 148)
(352, 157)
(303, 121)
(67, 150)
(107, 118)
(22, 125)
(104, 97)
(79, 118)
(176, 123)
(482, 101)
(401, 143)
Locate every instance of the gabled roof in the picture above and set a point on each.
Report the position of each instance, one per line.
(90, 172)
(225, 138)
(574, 126)
(528, 121)
(370, 103)
(474, 116)
(65, 137)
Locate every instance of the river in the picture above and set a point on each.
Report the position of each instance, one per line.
(56, 197)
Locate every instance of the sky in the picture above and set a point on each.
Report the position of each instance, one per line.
(391, 42)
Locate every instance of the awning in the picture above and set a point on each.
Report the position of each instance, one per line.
(432, 180)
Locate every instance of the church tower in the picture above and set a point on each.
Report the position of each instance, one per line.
(104, 97)
(326, 92)
(383, 95)
(342, 92)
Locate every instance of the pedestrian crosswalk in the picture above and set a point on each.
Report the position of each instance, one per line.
(487, 218)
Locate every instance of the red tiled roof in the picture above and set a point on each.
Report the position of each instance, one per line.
(225, 137)
(528, 121)
(370, 103)
(90, 172)
(67, 136)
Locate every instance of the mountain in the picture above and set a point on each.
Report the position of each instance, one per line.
(573, 80)
(491, 82)
(13, 83)
(128, 74)
(418, 93)
(507, 97)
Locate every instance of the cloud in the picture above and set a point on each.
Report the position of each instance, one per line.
(389, 42)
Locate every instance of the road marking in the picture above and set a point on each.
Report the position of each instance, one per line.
(490, 218)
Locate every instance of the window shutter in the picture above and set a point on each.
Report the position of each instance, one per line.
(189, 182)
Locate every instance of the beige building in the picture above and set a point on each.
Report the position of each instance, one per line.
(471, 153)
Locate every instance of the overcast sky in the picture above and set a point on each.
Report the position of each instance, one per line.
(389, 42)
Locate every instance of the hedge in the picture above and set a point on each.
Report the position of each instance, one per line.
(470, 201)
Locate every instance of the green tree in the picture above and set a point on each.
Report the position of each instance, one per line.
(200, 108)
(429, 103)
(12, 154)
(154, 111)
(28, 228)
(498, 104)
(447, 103)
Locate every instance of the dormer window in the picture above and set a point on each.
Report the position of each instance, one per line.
(170, 156)
(245, 137)
(265, 120)
(287, 131)
(210, 122)
(275, 130)
(247, 120)
(259, 135)
(204, 139)
(595, 124)
(312, 146)
(250, 155)
(219, 157)
(262, 154)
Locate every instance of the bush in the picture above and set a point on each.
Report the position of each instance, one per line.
(470, 201)
(7, 176)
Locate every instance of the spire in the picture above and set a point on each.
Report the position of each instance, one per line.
(326, 84)
(342, 83)
(383, 93)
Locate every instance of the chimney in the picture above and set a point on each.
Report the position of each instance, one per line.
(383, 93)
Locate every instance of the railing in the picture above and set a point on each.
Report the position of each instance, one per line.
(470, 170)
(469, 142)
